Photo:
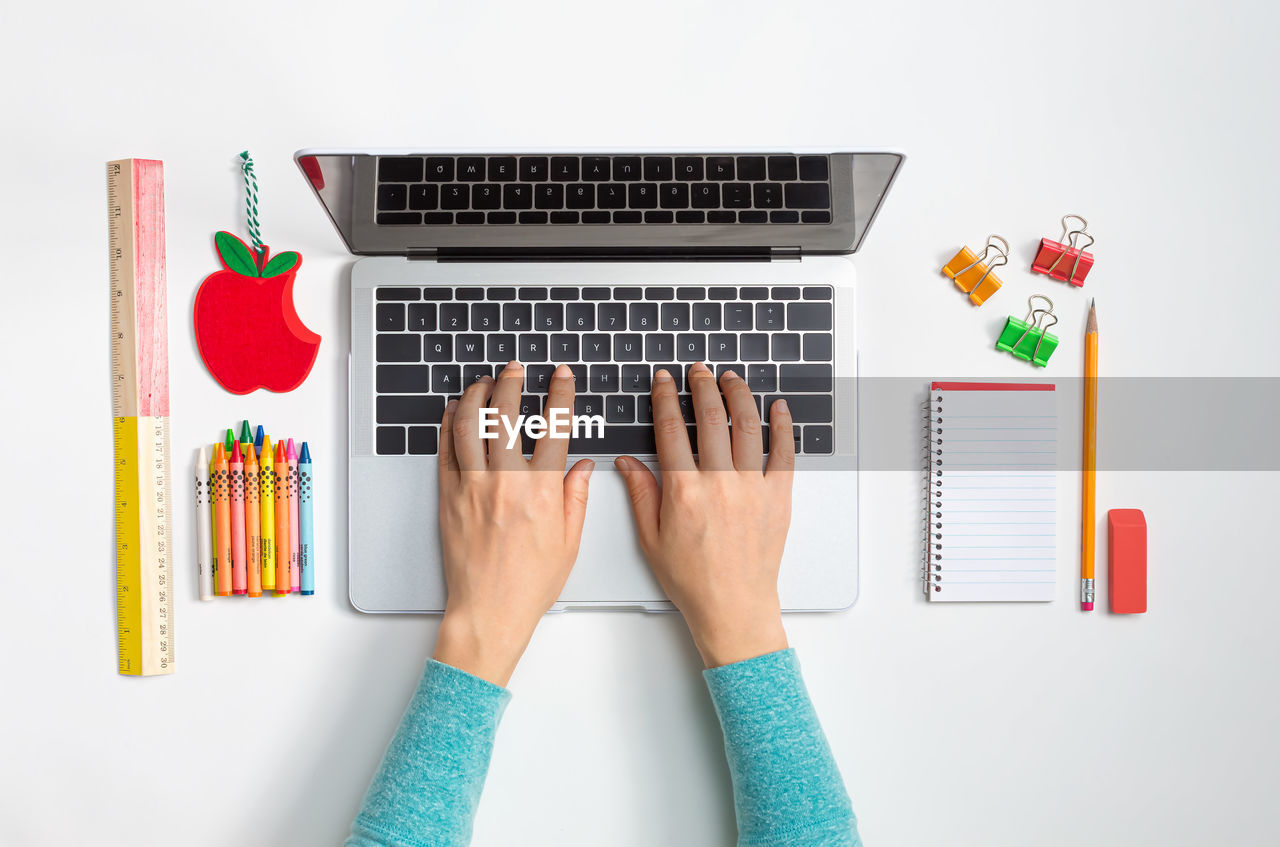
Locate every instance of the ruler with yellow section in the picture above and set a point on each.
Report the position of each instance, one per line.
(140, 406)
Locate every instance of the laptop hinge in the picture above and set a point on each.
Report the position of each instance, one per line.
(598, 254)
(784, 254)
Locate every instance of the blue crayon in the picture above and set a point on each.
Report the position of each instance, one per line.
(257, 440)
(306, 525)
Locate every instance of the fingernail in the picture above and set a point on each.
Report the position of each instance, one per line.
(782, 407)
(620, 464)
(486, 379)
(591, 466)
(513, 365)
(730, 375)
(451, 405)
(698, 365)
(662, 376)
(562, 371)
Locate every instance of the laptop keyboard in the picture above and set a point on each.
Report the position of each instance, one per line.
(432, 342)
(615, 189)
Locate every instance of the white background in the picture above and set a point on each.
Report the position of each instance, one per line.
(969, 724)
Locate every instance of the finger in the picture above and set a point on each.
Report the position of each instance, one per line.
(748, 453)
(575, 500)
(505, 452)
(674, 452)
(465, 433)
(646, 498)
(550, 453)
(782, 446)
(448, 463)
(713, 424)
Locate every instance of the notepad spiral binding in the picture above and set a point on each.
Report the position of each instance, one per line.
(931, 568)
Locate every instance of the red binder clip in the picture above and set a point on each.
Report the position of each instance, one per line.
(1054, 257)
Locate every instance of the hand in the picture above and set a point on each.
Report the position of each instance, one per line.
(714, 533)
(509, 527)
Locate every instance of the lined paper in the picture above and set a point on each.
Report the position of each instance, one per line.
(998, 494)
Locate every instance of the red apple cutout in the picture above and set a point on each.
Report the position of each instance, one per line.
(247, 330)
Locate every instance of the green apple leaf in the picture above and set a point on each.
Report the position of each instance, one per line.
(235, 255)
(281, 263)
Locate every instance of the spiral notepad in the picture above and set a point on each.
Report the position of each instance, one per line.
(992, 493)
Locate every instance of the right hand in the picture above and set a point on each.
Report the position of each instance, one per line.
(714, 532)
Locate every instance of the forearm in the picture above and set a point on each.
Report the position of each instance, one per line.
(786, 786)
(427, 788)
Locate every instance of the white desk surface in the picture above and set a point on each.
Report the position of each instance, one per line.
(965, 725)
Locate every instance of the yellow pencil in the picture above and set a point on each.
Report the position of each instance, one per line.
(1087, 483)
(267, 509)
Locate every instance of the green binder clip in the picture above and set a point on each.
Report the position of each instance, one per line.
(1029, 338)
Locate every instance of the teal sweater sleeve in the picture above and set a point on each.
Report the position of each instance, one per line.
(786, 786)
(428, 785)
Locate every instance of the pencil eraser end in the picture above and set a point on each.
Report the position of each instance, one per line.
(1086, 607)
(1127, 561)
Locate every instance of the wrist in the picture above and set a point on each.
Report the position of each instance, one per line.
(468, 647)
(723, 641)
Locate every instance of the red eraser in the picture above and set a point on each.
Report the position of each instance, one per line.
(1127, 561)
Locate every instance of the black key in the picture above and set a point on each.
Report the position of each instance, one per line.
(581, 196)
(675, 317)
(691, 347)
(657, 168)
(754, 346)
(628, 293)
(809, 378)
(690, 217)
(762, 378)
(618, 440)
(688, 168)
(399, 293)
(532, 347)
(564, 293)
(720, 168)
(635, 378)
(437, 348)
(659, 292)
(580, 317)
(805, 195)
(453, 317)
(659, 346)
(818, 439)
(399, 348)
(706, 316)
(816, 347)
(767, 195)
(537, 378)
(564, 348)
(784, 217)
(764, 436)
(612, 195)
(502, 217)
(753, 292)
(410, 409)
(628, 217)
(644, 316)
(564, 168)
(628, 347)
(737, 316)
(643, 195)
(620, 408)
(626, 168)
(579, 377)
(533, 217)
(517, 196)
(439, 169)
(424, 197)
(400, 169)
(691, 292)
(532, 293)
(786, 347)
(817, 292)
(674, 195)
(805, 408)
(423, 440)
(808, 316)
(596, 168)
(530, 405)
(549, 196)
(500, 292)
(594, 292)
(813, 167)
(705, 195)
(500, 347)
(815, 217)
(390, 317)
(782, 168)
(438, 218)
(455, 197)
(548, 317)
(517, 317)
(472, 373)
(644, 410)
(720, 293)
(752, 217)
(737, 195)
(422, 317)
(470, 217)
(470, 348)
(589, 404)
(502, 168)
(446, 379)
(471, 168)
(603, 379)
(676, 371)
(390, 441)
(486, 196)
(718, 217)
(437, 294)
(596, 347)
(659, 217)
(533, 168)
(769, 316)
(785, 292)
(403, 379)
(392, 198)
(723, 347)
(485, 316)
(612, 316)
(689, 415)
(564, 217)
(751, 167)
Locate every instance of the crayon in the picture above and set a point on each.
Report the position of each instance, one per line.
(222, 507)
(231, 439)
(282, 522)
(252, 521)
(246, 438)
(267, 524)
(258, 439)
(295, 535)
(239, 582)
(204, 524)
(213, 522)
(306, 524)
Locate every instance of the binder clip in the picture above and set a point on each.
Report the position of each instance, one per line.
(1029, 338)
(1054, 257)
(973, 275)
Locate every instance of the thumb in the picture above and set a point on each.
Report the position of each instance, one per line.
(646, 497)
(575, 500)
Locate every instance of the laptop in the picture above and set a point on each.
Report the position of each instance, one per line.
(617, 264)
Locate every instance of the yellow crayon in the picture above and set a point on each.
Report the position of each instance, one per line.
(267, 508)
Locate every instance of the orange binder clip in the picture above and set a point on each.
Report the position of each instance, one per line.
(1053, 257)
(973, 274)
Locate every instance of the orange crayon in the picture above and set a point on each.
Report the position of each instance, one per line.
(283, 543)
(222, 513)
(252, 522)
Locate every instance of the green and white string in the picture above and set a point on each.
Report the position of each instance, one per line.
(251, 203)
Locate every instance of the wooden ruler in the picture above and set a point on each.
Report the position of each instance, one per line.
(140, 405)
